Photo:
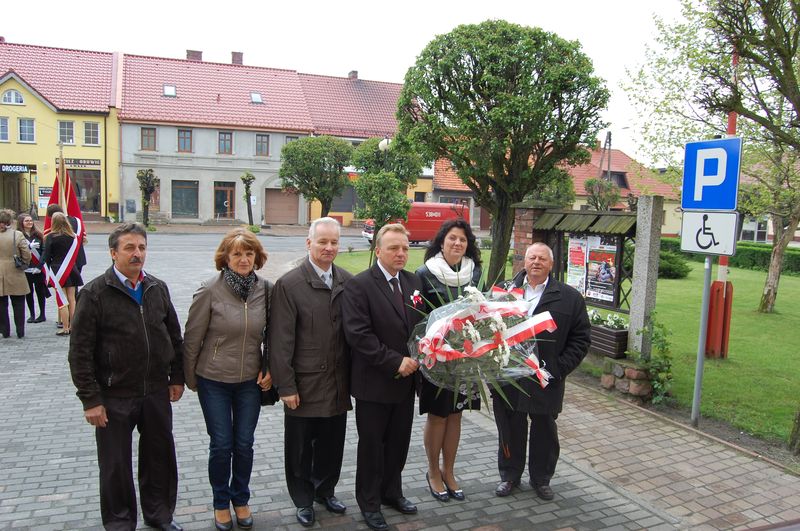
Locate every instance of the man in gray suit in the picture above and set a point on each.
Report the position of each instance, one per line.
(310, 366)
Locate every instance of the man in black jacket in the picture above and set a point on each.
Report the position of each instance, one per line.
(125, 358)
(560, 352)
(379, 314)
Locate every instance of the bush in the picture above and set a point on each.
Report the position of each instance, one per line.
(749, 255)
(659, 363)
(151, 228)
(255, 229)
(672, 265)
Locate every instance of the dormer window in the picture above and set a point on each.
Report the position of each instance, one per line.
(13, 97)
(170, 91)
(255, 97)
(617, 177)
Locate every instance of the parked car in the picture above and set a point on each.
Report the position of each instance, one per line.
(424, 220)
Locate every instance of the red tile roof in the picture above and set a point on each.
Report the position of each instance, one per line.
(641, 181)
(351, 107)
(212, 94)
(71, 80)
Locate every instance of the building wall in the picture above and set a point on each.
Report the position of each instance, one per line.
(204, 165)
(88, 162)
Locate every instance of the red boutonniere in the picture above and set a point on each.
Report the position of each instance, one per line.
(416, 298)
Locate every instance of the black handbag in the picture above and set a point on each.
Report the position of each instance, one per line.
(269, 397)
(18, 262)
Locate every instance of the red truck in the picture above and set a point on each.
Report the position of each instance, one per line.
(424, 220)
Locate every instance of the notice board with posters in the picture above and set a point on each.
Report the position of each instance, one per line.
(592, 267)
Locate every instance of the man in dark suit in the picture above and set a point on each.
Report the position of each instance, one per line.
(310, 366)
(379, 316)
(560, 352)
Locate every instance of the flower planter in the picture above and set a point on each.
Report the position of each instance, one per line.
(609, 342)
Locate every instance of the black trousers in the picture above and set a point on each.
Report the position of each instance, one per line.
(384, 433)
(18, 308)
(313, 449)
(158, 469)
(37, 285)
(543, 451)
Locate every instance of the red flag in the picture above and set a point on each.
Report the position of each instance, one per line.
(57, 279)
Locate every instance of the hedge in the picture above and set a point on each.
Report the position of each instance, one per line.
(749, 255)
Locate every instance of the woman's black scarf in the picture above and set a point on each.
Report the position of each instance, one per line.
(241, 285)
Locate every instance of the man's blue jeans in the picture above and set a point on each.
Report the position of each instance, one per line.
(231, 413)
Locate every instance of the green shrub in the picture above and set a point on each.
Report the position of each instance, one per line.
(672, 265)
(659, 364)
(255, 229)
(749, 255)
(151, 228)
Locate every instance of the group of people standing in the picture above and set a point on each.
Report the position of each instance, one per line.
(318, 336)
(23, 254)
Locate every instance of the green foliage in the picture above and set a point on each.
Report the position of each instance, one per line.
(672, 265)
(601, 193)
(384, 198)
(148, 182)
(255, 229)
(508, 106)
(151, 228)
(659, 363)
(560, 193)
(749, 255)
(314, 166)
(401, 160)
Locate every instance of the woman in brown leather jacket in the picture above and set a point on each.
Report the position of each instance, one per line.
(222, 361)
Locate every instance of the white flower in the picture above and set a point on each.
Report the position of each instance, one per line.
(474, 294)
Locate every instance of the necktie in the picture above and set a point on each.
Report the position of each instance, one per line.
(398, 296)
(326, 278)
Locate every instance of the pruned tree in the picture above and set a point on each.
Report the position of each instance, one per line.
(601, 194)
(148, 183)
(314, 166)
(247, 180)
(510, 106)
(689, 84)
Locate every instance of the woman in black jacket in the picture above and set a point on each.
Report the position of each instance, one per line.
(56, 248)
(34, 273)
(452, 262)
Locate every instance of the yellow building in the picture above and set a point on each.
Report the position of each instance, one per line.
(51, 100)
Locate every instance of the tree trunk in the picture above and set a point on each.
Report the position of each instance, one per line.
(326, 207)
(780, 243)
(502, 227)
(145, 210)
(249, 209)
(794, 438)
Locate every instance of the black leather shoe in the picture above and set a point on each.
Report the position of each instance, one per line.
(305, 515)
(31, 319)
(401, 504)
(375, 520)
(40, 319)
(457, 494)
(440, 496)
(544, 492)
(169, 526)
(504, 488)
(247, 521)
(332, 504)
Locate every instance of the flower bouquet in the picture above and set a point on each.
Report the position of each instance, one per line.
(476, 339)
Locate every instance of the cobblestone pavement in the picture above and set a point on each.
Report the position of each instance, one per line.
(621, 467)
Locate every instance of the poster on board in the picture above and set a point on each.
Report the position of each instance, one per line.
(601, 268)
(576, 263)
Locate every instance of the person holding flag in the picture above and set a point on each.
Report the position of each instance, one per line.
(59, 253)
(34, 274)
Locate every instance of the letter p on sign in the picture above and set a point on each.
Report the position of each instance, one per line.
(705, 174)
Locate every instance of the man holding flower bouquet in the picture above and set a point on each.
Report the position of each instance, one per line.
(560, 352)
(379, 312)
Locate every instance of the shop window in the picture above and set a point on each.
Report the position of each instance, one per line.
(184, 199)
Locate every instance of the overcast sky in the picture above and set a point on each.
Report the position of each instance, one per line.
(380, 40)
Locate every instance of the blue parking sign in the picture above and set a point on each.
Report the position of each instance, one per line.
(711, 174)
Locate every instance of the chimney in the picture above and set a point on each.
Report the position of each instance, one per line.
(2, 39)
(353, 74)
(237, 58)
(194, 55)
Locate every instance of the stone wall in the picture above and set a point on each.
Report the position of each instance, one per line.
(626, 377)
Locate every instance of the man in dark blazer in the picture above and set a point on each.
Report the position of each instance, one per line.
(560, 352)
(379, 315)
(310, 366)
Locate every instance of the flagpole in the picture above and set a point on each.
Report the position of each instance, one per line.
(61, 178)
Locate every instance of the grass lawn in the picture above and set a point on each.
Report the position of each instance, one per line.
(757, 388)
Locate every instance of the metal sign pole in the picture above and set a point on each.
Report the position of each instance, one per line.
(701, 344)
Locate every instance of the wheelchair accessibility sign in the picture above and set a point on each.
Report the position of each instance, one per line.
(709, 232)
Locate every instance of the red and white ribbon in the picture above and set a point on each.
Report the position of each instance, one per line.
(58, 279)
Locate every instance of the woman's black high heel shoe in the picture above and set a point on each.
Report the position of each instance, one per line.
(441, 496)
(457, 494)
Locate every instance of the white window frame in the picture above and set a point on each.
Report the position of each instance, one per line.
(71, 140)
(13, 94)
(4, 120)
(86, 133)
(19, 130)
